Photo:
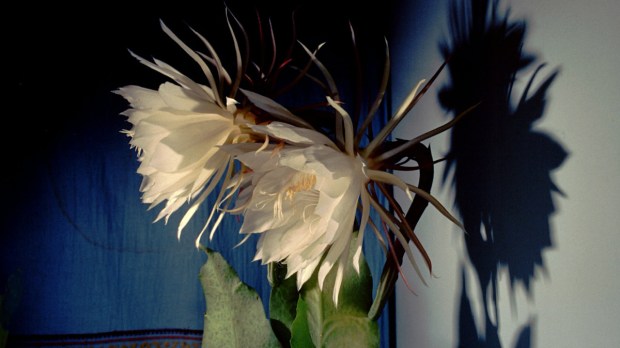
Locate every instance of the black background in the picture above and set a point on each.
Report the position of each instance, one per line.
(62, 61)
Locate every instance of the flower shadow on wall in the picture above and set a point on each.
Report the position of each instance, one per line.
(502, 165)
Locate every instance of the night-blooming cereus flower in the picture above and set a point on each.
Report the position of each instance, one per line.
(302, 202)
(302, 198)
(177, 131)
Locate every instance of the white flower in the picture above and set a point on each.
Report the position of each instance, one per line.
(177, 131)
(303, 202)
(301, 194)
(177, 137)
(302, 199)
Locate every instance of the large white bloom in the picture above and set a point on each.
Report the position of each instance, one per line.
(177, 137)
(177, 131)
(302, 199)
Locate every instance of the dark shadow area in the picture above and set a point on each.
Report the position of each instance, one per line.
(501, 164)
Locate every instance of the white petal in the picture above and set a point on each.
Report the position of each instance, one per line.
(293, 135)
(258, 161)
(274, 109)
(339, 248)
(180, 98)
(304, 274)
(187, 144)
(140, 97)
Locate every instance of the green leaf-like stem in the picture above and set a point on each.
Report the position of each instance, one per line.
(346, 324)
(235, 317)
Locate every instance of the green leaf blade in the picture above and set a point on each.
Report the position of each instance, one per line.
(300, 332)
(235, 317)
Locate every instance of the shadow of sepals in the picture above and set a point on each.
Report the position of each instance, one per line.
(501, 164)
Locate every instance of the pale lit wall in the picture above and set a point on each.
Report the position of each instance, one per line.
(575, 303)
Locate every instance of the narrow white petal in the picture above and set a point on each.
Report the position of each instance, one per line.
(388, 178)
(304, 274)
(197, 59)
(172, 73)
(140, 97)
(365, 199)
(337, 250)
(349, 137)
(394, 121)
(293, 135)
(180, 98)
(274, 109)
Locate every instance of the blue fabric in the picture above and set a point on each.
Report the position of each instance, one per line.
(91, 259)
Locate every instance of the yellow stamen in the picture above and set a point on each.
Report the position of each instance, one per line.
(304, 182)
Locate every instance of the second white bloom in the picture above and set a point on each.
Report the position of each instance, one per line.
(302, 200)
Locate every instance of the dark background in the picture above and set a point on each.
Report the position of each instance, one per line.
(62, 59)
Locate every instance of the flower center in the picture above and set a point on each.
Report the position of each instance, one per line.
(301, 182)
